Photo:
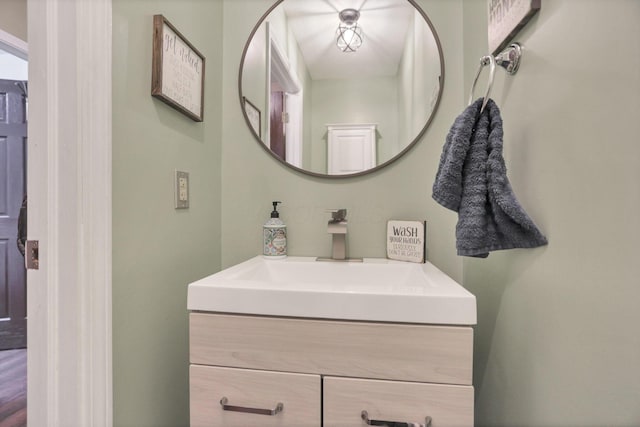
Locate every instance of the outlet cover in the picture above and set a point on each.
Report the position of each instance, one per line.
(182, 190)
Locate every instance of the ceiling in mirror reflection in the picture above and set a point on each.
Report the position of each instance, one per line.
(384, 23)
(393, 81)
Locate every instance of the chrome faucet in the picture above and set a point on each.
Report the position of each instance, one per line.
(337, 227)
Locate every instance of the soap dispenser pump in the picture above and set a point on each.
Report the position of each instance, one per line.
(275, 236)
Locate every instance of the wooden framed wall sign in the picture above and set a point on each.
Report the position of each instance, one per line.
(177, 76)
(506, 18)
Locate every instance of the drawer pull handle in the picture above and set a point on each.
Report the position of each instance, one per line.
(279, 408)
(365, 417)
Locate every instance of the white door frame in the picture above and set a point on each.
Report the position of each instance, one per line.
(293, 127)
(69, 191)
(13, 45)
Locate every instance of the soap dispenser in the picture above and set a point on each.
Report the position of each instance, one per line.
(275, 236)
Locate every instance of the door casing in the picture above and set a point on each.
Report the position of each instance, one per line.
(69, 186)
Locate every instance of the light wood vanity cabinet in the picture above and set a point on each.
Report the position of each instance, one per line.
(326, 373)
(253, 389)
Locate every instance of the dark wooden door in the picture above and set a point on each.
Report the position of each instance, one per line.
(276, 122)
(13, 135)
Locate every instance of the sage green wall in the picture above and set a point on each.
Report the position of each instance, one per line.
(13, 18)
(406, 70)
(252, 179)
(158, 250)
(254, 77)
(557, 342)
(307, 101)
(361, 100)
(418, 79)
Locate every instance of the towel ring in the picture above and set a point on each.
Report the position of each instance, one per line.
(485, 60)
(509, 59)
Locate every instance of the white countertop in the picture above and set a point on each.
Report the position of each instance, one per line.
(374, 290)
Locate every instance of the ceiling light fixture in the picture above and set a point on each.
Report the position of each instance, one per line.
(349, 34)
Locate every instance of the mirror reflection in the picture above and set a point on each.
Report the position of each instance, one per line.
(341, 87)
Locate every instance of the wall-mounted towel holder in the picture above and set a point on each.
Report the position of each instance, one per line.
(509, 59)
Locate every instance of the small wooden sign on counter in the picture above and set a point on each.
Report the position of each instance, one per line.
(406, 240)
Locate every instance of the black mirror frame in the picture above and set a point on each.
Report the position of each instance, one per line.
(368, 171)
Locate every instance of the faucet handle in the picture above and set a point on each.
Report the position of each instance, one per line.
(338, 214)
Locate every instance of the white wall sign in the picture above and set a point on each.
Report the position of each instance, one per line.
(506, 18)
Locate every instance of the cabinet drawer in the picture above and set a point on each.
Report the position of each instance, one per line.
(407, 352)
(299, 395)
(346, 398)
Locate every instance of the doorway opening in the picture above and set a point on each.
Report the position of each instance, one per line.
(13, 293)
(285, 105)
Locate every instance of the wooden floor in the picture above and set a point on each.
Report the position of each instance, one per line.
(13, 388)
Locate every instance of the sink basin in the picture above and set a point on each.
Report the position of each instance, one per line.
(374, 290)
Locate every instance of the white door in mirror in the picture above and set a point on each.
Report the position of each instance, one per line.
(351, 148)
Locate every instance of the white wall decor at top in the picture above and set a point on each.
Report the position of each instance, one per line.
(506, 18)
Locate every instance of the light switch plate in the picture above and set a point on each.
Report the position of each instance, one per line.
(182, 190)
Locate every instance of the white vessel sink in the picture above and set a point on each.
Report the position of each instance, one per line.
(374, 290)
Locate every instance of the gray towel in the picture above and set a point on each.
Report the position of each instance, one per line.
(472, 180)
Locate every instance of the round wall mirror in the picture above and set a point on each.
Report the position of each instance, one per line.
(341, 88)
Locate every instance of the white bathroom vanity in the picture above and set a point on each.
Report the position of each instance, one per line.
(296, 342)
